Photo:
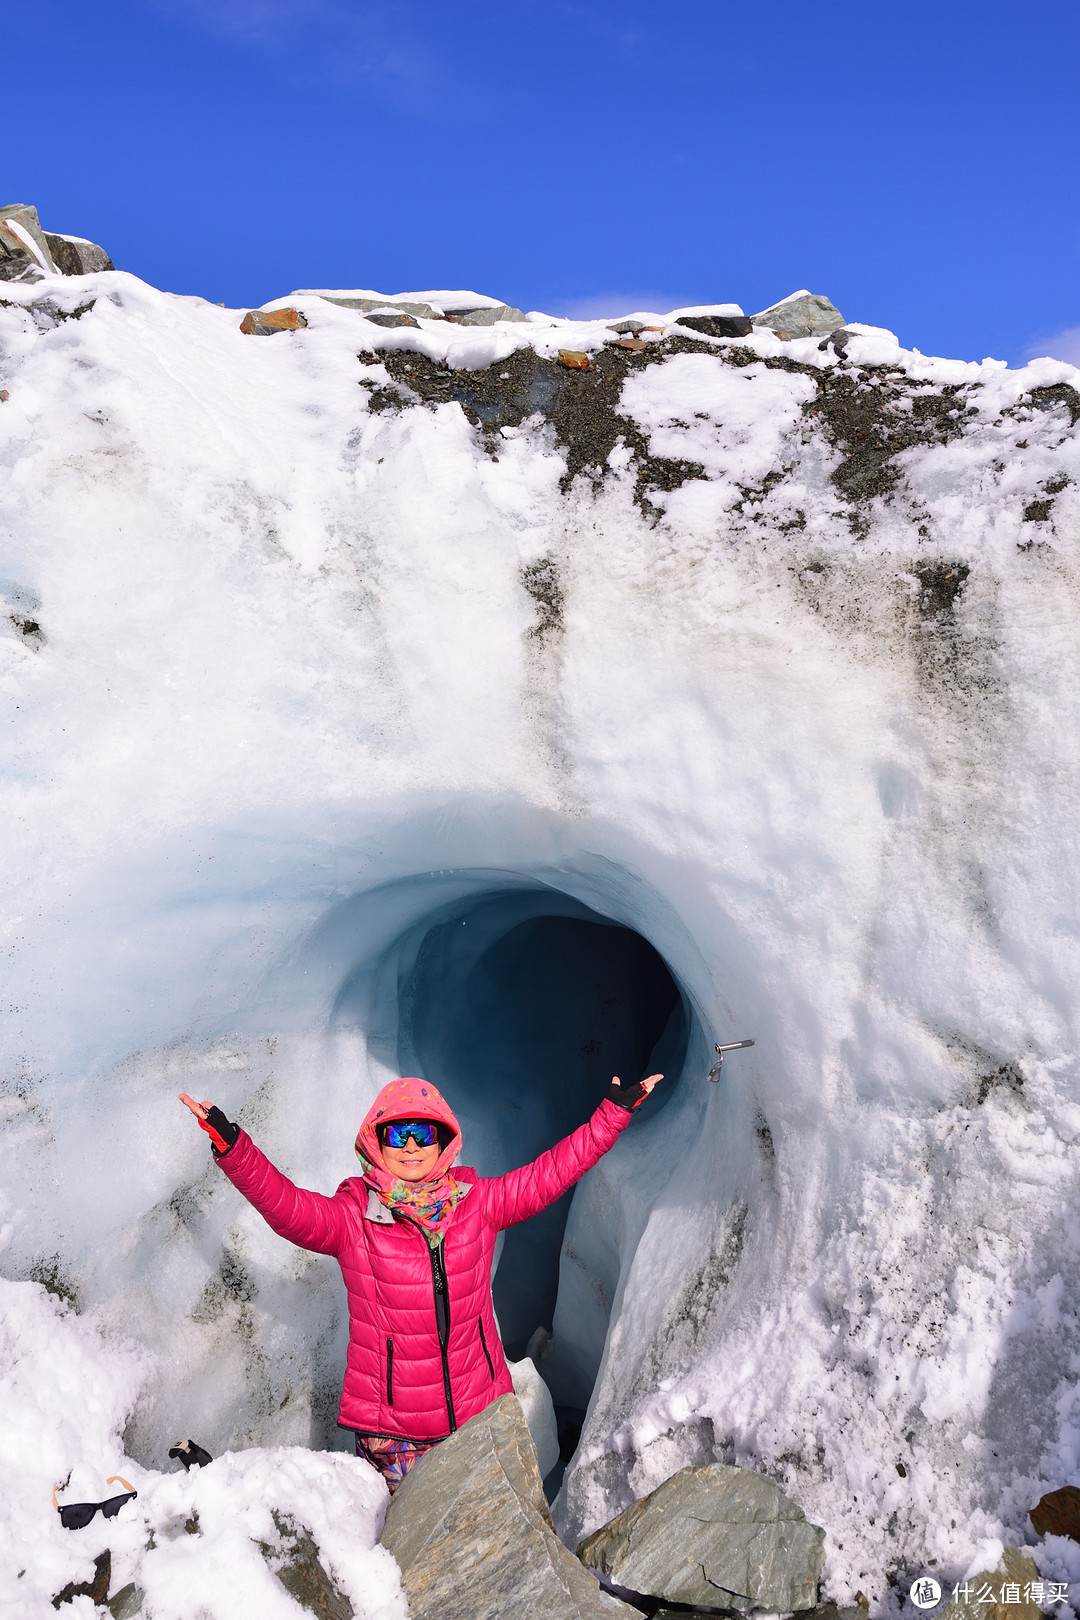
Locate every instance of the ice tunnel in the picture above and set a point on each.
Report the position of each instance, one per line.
(521, 1004)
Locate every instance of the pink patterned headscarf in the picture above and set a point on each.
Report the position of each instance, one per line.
(429, 1203)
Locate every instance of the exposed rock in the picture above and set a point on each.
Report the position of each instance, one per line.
(265, 322)
(574, 360)
(1058, 1513)
(97, 1589)
(804, 314)
(718, 325)
(627, 328)
(716, 1536)
(301, 1573)
(24, 252)
(1008, 1597)
(127, 1603)
(75, 256)
(423, 311)
(487, 316)
(471, 1531)
(390, 317)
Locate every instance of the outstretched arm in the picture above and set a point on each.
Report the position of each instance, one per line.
(306, 1218)
(521, 1193)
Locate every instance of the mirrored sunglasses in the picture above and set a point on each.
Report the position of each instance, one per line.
(396, 1132)
(76, 1515)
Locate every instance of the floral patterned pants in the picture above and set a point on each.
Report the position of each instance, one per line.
(393, 1458)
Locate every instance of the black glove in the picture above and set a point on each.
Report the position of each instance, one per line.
(221, 1131)
(627, 1097)
(190, 1454)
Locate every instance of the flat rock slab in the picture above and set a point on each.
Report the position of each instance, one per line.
(723, 1538)
(472, 1534)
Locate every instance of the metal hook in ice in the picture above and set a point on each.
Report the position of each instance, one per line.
(732, 1046)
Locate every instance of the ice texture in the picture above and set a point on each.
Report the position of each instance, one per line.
(314, 673)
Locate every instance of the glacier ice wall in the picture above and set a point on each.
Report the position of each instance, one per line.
(313, 658)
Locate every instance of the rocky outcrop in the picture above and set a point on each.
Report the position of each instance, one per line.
(27, 253)
(75, 256)
(716, 1536)
(24, 252)
(472, 1534)
(804, 314)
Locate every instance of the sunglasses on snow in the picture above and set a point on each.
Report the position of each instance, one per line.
(396, 1134)
(77, 1515)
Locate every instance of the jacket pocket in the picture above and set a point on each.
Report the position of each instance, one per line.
(389, 1372)
(483, 1345)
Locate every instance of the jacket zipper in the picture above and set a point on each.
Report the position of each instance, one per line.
(389, 1372)
(442, 1319)
(483, 1341)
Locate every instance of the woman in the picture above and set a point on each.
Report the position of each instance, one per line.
(415, 1238)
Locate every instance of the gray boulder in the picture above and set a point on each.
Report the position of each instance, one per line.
(423, 311)
(471, 1531)
(487, 316)
(805, 315)
(18, 259)
(390, 317)
(716, 1536)
(75, 256)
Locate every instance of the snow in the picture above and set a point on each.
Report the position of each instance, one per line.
(290, 715)
(188, 1541)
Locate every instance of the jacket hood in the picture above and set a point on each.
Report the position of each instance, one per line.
(408, 1098)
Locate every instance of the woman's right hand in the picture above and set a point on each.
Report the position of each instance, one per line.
(221, 1131)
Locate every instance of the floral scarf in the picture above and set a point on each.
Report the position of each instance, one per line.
(431, 1203)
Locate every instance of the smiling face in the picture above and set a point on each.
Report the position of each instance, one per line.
(411, 1162)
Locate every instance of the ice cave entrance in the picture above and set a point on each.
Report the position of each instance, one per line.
(520, 1005)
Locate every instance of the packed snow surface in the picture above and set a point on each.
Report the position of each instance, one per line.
(306, 670)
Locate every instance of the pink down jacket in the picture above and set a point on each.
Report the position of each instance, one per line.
(399, 1381)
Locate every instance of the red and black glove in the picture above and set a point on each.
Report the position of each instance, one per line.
(627, 1097)
(221, 1131)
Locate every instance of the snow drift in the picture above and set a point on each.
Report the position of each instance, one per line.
(376, 702)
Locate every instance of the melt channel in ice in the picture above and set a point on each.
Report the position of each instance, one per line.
(345, 734)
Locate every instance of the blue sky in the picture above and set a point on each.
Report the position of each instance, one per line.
(917, 162)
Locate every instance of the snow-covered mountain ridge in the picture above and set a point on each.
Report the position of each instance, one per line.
(353, 674)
